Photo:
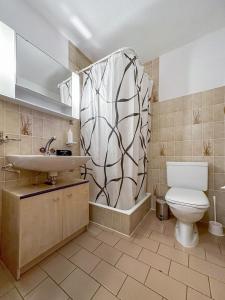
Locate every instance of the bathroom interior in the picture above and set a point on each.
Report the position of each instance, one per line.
(112, 150)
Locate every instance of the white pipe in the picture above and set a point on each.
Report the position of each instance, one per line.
(106, 57)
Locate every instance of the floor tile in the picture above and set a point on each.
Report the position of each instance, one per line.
(79, 285)
(69, 249)
(108, 253)
(47, 290)
(103, 294)
(155, 260)
(93, 229)
(133, 290)
(109, 277)
(88, 242)
(194, 295)
(217, 289)
(5, 283)
(57, 267)
(85, 260)
(146, 243)
(196, 251)
(12, 295)
(128, 248)
(207, 268)
(133, 267)
(108, 238)
(165, 285)
(30, 280)
(174, 254)
(217, 259)
(190, 277)
(162, 238)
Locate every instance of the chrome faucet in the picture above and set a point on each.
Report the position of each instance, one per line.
(46, 150)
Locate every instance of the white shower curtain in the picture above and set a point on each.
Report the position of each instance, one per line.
(115, 129)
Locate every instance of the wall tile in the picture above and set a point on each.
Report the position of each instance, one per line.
(196, 134)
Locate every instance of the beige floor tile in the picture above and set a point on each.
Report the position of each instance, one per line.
(47, 290)
(207, 268)
(217, 289)
(133, 290)
(69, 249)
(85, 260)
(162, 238)
(103, 294)
(108, 238)
(196, 251)
(57, 267)
(5, 282)
(194, 295)
(128, 248)
(142, 231)
(146, 243)
(93, 229)
(30, 280)
(12, 295)
(222, 248)
(155, 260)
(214, 258)
(166, 286)
(133, 267)
(108, 253)
(190, 277)
(79, 285)
(88, 242)
(109, 277)
(174, 254)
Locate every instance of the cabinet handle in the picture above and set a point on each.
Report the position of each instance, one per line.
(69, 195)
(56, 199)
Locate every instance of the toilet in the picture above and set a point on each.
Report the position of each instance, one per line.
(186, 198)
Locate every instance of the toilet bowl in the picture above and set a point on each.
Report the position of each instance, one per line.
(186, 198)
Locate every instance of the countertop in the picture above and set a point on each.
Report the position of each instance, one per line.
(26, 191)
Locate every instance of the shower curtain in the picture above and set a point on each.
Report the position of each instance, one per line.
(115, 129)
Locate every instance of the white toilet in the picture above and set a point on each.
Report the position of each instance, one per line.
(186, 199)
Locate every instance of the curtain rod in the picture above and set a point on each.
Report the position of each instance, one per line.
(106, 57)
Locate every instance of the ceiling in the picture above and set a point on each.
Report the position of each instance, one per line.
(151, 27)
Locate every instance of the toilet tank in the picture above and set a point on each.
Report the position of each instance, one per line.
(190, 175)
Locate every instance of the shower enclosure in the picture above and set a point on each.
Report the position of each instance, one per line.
(115, 129)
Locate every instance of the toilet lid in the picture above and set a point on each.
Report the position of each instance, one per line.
(187, 197)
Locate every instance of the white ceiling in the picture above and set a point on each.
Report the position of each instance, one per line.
(151, 27)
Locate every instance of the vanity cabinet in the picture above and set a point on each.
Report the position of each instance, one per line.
(40, 224)
(74, 218)
(36, 223)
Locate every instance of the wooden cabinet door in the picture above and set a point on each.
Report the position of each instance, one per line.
(40, 223)
(75, 205)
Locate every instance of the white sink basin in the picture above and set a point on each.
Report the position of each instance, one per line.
(45, 163)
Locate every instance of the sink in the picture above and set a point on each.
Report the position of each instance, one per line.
(47, 163)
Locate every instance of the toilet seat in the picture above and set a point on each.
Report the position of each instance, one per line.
(187, 197)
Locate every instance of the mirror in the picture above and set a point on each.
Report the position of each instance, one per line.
(41, 80)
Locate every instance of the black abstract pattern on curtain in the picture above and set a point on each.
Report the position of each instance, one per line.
(115, 129)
